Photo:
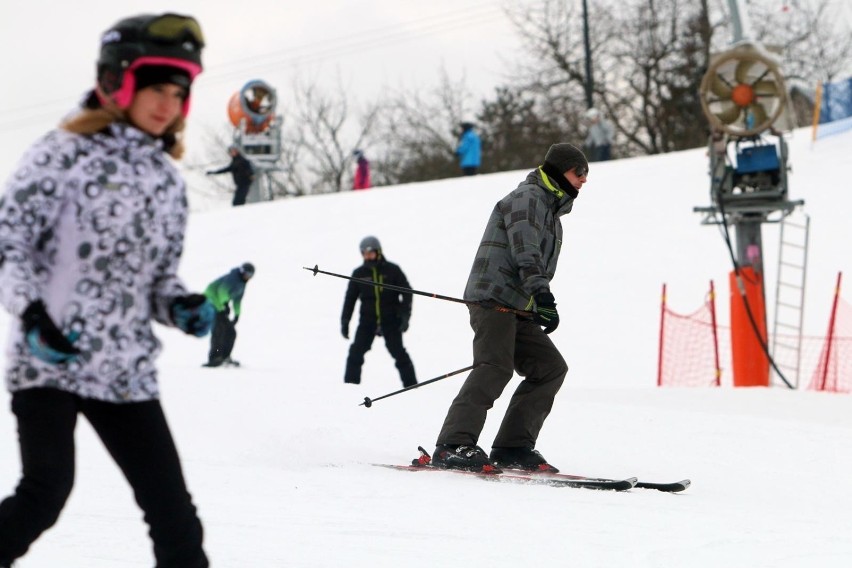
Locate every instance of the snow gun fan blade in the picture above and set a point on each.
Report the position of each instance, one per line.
(720, 88)
(742, 70)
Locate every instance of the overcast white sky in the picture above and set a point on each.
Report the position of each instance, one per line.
(50, 49)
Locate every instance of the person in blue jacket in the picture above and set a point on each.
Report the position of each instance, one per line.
(224, 292)
(469, 149)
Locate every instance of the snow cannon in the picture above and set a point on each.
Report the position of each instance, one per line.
(743, 92)
(744, 97)
(252, 108)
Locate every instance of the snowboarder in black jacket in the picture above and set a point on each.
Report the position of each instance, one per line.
(242, 171)
(383, 312)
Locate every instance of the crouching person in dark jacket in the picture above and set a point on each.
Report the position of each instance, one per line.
(383, 312)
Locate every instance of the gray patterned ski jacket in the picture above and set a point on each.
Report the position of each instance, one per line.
(93, 226)
(517, 255)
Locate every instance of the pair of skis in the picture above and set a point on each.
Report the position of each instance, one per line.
(524, 477)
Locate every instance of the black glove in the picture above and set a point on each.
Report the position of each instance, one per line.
(403, 322)
(545, 312)
(344, 329)
(45, 340)
(236, 319)
(193, 313)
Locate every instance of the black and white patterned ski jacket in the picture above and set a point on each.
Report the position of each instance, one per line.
(93, 226)
(517, 255)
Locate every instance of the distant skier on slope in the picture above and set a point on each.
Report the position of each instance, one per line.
(242, 170)
(469, 149)
(225, 290)
(383, 312)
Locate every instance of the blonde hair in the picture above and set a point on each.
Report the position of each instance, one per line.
(92, 120)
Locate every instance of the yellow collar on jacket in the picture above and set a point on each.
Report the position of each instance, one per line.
(549, 184)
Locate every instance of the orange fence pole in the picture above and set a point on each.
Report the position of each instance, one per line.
(830, 338)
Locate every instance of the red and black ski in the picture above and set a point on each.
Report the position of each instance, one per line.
(524, 478)
(491, 473)
(520, 476)
(671, 487)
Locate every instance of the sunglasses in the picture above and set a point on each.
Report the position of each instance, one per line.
(581, 171)
(171, 27)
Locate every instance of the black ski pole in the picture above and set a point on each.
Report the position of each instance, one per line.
(368, 402)
(526, 314)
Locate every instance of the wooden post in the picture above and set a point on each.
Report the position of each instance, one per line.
(718, 381)
(662, 327)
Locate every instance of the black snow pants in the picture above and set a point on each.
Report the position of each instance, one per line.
(364, 336)
(240, 194)
(222, 338)
(503, 344)
(137, 437)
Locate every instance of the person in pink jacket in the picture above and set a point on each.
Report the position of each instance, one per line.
(362, 172)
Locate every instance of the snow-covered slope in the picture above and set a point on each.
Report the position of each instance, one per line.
(277, 453)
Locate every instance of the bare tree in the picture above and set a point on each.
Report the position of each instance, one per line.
(816, 43)
(323, 139)
(554, 66)
(319, 134)
(661, 55)
(291, 180)
(419, 131)
(648, 58)
(516, 130)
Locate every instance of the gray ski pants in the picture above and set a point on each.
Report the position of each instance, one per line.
(504, 344)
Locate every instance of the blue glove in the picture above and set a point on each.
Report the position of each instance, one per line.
(44, 339)
(545, 312)
(193, 314)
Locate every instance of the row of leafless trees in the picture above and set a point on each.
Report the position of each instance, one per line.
(649, 57)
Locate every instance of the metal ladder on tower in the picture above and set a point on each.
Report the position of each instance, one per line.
(790, 295)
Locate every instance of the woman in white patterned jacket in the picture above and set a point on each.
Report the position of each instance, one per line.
(91, 232)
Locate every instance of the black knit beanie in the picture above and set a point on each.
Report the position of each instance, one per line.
(563, 157)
